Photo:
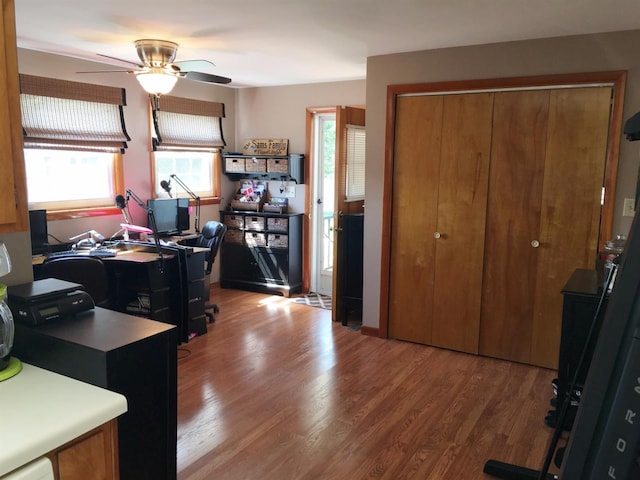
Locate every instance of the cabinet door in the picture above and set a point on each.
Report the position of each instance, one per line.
(94, 456)
(13, 215)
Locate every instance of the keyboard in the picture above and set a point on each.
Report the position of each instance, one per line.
(97, 252)
(63, 253)
(103, 252)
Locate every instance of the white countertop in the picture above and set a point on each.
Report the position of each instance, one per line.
(41, 410)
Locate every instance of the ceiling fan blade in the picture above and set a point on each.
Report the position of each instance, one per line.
(193, 65)
(109, 71)
(206, 77)
(121, 60)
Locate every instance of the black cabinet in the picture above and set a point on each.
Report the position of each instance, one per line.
(262, 251)
(267, 167)
(130, 355)
(350, 267)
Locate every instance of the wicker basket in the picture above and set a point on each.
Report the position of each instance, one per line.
(275, 240)
(254, 239)
(254, 164)
(234, 221)
(236, 204)
(234, 164)
(234, 236)
(277, 224)
(254, 223)
(278, 165)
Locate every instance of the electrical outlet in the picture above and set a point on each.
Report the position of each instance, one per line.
(629, 208)
(289, 192)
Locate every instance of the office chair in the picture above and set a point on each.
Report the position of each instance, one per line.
(87, 271)
(211, 238)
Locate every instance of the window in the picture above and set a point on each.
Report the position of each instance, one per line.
(187, 138)
(72, 132)
(356, 141)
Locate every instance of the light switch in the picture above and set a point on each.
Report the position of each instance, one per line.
(629, 208)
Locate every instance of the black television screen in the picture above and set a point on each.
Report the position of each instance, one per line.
(171, 214)
(39, 231)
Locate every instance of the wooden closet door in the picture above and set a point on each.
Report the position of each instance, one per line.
(576, 152)
(462, 204)
(441, 165)
(513, 222)
(413, 218)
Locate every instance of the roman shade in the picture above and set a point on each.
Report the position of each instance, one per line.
(184, 124)
(65, 115)
(356, 141)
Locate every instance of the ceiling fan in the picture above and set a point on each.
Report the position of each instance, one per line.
(158, 73)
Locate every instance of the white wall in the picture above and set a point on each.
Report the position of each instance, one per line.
(589, 53)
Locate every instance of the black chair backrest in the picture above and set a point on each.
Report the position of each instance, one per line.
(211, 238)
(90, 272)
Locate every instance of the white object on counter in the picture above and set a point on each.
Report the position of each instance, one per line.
(40, 469)
(42, 410)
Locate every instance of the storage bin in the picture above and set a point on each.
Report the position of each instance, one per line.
(254, 223)
(234, 221)
(278, 165)
(255, 165)
(236, 204)
(277, 224)
(232, 164)
(275, 240)
(234, 236)
(255, 239)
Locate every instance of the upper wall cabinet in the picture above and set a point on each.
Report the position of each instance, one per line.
(13, 191)
(267, 167)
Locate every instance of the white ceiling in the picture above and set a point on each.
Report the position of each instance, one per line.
(284, 42)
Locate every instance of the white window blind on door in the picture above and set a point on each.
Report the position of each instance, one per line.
(356, 139)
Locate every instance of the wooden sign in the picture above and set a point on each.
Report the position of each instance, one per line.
(265, 146)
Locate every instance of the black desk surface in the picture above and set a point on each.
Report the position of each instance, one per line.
(584, 282)
(102, 329)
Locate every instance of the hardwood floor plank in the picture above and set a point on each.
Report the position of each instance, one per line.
(276, 390)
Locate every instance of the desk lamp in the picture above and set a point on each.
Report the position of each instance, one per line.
(192, 195)
(9, 366)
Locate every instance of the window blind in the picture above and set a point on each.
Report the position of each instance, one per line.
(184, 124)
(65, 115)
(356, 141)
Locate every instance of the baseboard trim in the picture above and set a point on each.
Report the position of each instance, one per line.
(370, 331)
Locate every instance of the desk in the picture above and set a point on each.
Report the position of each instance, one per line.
(130, 355)
(169, 290)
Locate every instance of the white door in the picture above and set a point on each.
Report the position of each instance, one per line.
(323, 204)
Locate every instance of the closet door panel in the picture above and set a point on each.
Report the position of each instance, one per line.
(513, 223)
(462, 203)
(413, 220)
(574, 171)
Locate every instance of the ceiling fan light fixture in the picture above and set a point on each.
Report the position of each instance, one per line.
(156, 83)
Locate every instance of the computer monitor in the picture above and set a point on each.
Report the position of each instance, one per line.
(171, 214)
(39, 231)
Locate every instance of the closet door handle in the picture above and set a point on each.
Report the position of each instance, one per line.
(437, 235)
(535, 243)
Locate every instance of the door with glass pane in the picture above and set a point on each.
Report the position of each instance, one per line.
(324, 154)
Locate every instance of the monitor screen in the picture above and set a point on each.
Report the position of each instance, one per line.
(39, 231)
(171, 214)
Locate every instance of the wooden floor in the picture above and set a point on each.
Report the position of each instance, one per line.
(276, 390)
